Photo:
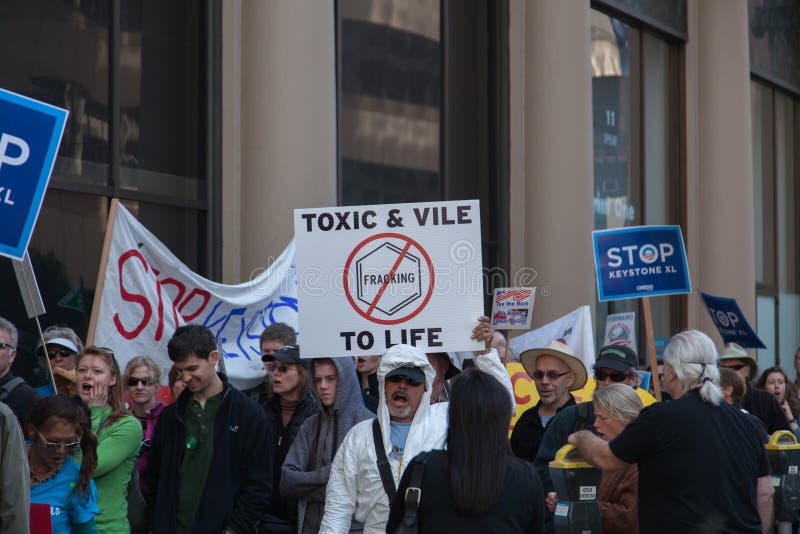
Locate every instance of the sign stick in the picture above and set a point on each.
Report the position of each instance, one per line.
(32, 298)
(46, 357)
(651, 345)
(101, 272)
(508, 339)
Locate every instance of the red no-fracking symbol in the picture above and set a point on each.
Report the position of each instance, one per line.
(366, 302)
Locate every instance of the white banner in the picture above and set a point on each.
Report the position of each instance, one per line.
(621, 330)
(574, 330)
(374, 276)
(148, 292)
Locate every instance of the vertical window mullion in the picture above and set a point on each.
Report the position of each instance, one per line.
(114, 134)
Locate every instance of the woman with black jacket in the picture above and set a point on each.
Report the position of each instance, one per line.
(292, 402)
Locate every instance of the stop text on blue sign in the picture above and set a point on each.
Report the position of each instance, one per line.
(30, 133)
(640, 261)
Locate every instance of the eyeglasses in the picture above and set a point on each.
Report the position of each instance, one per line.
(55, 353)
(735, 366)
(280, 368)
(4, 345)
(57, 445)
(614, 377)
(134, 381)
(551, 375)
(396, 379)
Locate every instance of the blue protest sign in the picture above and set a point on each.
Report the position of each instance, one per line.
(640, 261)
(731, 322)
(30, 133)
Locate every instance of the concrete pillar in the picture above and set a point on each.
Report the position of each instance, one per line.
(279, 124)
(557, 218)
(719, 157)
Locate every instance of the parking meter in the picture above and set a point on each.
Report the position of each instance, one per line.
(783, 453)
(576, 483)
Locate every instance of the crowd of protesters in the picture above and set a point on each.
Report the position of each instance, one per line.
(399, 442)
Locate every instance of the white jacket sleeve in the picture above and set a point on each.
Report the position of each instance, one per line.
(491, 364)
(341, 494)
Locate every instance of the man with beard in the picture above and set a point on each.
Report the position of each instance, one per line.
(556, 371)
(371, 459)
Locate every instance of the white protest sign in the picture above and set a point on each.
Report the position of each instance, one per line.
(621, 329)
(370, 277)
(147, 293)
(512, 308)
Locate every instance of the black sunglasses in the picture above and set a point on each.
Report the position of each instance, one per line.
(55, 353)
(134, 381)
(551, 375)
(280, 368)
(396, 379)
(614, 377)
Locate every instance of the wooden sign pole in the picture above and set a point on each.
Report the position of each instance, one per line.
(651, 345)
(101, 273)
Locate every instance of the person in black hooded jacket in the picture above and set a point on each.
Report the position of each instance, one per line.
(195, 488)
(292, 402)
(306, 469)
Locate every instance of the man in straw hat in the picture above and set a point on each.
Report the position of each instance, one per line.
(615, 364)
(756, 401)
(556, 371)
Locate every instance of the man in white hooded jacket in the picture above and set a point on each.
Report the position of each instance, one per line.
(409, 425)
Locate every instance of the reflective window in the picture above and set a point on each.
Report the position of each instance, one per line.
(390, 87)
(137, 130)
(775, 41)
(423, 107)
(634, 102)
(776, 218)
(161, 105)
(58, 52)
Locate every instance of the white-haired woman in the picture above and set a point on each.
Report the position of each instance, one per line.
(615, 406)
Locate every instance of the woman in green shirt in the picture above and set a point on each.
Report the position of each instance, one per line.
(118, 436)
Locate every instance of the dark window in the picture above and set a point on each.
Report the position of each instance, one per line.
(423, 107)
(775, 42)
(138, 78)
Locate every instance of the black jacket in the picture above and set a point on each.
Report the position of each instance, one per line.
(518, 510)
(528, 431)
(239, 483)
(283, 511)
(765, 406)
(20, 399)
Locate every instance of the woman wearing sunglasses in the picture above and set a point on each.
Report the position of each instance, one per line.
(143, 377)
(58, 425)
(118, 435)
(62, 346)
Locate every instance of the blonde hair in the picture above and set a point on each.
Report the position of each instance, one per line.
(116, 397)
(620, 401)
(143, 361)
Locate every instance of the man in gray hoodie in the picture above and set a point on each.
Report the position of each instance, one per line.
(307, 466)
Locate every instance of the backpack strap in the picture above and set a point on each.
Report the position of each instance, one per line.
(383, 462)
(8, 387)
(413, 495)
